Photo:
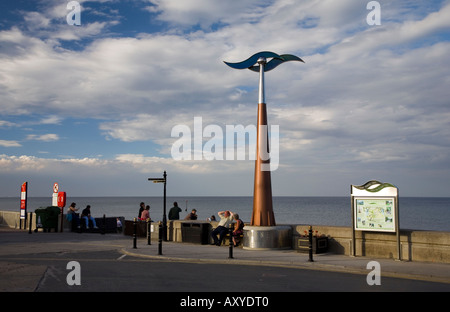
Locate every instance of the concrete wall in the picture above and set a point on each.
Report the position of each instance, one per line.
(12, 219)
(431, 246)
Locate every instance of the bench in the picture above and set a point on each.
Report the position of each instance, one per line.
(104, 225)
(227, 237)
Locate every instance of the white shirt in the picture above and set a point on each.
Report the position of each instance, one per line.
(225, 221)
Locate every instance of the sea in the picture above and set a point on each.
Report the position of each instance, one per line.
(415, 213)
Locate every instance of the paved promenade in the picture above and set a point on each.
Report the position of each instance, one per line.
(16, 245)
(185, 252)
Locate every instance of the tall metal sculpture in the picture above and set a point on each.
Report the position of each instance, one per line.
(262, 195)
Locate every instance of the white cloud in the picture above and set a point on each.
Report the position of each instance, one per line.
(43, 137)
(51, 120)
(36, 20)
(78, 33)
(9, 143)
(125, 174)
(141, 128)
(207, 12)
(22, 163)
(32, 164)
(7, 124)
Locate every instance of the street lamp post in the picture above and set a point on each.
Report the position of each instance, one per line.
(162, 180)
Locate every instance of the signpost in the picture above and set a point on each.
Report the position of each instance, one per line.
(55, 195)
(375, 208)
(162, 180)
(23, 204)
(59, 200)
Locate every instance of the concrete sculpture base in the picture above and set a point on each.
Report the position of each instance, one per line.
(267, 237)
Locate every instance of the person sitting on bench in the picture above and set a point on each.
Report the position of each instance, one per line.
(226, 217)
(145, 215)
(72, 216)
(86, 214)
(238, 230)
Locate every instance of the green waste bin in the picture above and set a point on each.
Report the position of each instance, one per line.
(47, 218)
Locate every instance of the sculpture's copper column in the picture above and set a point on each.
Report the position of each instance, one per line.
(262, 194)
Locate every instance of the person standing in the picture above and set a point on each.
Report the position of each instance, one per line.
(174, 212)
(119, 225)
(226, 217)
(141, 209)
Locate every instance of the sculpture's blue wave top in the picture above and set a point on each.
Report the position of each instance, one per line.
(274, 62)
(252, 60)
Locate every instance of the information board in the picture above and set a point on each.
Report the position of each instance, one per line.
(375, 207)
(375, 214)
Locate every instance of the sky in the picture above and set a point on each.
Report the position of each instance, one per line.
(92, 106)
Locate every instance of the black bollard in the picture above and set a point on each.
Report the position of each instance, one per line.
(31, 223)
(149, 233)
(104, 225)
(134, 233)
(230, 253)
(310, 244)
(160, 239)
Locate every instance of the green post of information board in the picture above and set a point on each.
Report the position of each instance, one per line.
(375, 208)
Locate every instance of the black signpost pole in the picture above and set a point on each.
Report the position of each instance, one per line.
(164, 219)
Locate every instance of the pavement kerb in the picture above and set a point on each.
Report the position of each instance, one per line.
(234, 261)
(290, 264)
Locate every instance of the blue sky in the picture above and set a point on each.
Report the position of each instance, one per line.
(92, 106)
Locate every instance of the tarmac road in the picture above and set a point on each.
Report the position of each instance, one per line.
(107, 263)
(111, 271)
